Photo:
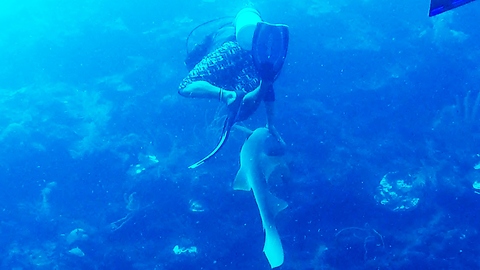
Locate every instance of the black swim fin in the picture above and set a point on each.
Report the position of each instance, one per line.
(440, 6)
(269, 49)
(227, 126)
(233, 110)
(223, 139)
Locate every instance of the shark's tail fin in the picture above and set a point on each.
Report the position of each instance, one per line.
(273, 247)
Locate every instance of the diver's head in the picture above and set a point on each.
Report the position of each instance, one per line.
(223, 34)
(245, 24)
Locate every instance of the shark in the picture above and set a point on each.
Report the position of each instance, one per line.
(261, 158)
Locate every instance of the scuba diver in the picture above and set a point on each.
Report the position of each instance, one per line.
(238, 65)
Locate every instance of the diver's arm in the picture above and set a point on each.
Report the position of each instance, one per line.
(270, 110)
(204, 89)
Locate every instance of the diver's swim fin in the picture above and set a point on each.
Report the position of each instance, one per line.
(440, 6)
(223, 139)
(233, 110)
(225, 132)
(269, 49)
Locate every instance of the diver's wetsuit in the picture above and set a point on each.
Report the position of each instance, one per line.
(228, 67)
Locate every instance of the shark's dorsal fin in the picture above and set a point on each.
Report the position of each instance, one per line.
(276, 205)
(241, 181)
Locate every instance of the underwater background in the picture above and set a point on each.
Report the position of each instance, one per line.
(377, 102)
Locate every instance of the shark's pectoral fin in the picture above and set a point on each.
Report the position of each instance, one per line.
(270, 164)
(275, 204)
(273, 247)
(276, 172)
(241, 181)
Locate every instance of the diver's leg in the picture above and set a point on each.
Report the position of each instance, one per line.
(203, 89)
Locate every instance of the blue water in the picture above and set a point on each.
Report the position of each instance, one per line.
(96, 141)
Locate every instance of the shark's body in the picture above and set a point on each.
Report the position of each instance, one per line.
(256, 166)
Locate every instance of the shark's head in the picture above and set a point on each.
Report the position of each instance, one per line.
(279, 175)
(272, 147)
(266, 143)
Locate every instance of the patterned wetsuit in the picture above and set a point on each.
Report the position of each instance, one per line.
(228, 67)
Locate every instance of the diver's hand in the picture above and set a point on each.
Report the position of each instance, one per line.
(278, 147)
(274, 132)
(265, 85)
